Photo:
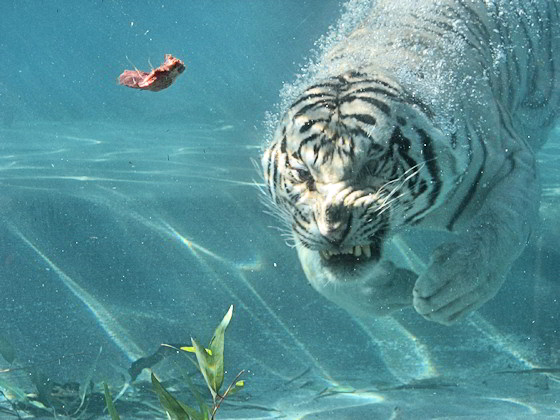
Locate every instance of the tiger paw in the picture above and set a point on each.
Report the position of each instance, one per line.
(459, 279)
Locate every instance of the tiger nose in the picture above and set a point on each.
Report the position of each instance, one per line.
(333, 223)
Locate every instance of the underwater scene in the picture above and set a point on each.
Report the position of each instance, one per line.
(144, 271)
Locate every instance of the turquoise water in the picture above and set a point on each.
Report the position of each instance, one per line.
(130, 219)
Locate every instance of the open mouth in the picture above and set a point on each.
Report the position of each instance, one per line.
(354, 254)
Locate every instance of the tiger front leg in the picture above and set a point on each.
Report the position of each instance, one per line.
(466, 273)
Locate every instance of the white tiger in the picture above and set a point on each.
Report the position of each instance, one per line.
(427, 116)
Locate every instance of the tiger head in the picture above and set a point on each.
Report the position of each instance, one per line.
(353, 161)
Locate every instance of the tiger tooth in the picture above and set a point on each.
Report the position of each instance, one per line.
(357, 250)
(367, 251)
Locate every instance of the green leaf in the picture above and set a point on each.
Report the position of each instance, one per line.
(217, 342)
(87, 385)
(190, 349)
(201, 404)
(211, 363)
(43, 385)
(7, 351)
(109, 401)
(174, 408)
(208, 367)
(13, 393)
(236, 387)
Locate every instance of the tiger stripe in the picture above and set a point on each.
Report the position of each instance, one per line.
(367, 125)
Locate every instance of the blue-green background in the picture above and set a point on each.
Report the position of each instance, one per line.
(130, 219)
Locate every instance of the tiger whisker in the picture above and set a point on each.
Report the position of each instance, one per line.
(417, 168)
(288, 235)
(385, 206)
(289, 239)
(283, 230)
(277, 212)
(383, 187)
(393, 191)
(305, 237)
(278, 215)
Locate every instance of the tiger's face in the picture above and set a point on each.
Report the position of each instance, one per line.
(352, 162)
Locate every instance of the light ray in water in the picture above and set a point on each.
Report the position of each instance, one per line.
(475, 320)
(112, 328)
(254, 265)
(223, 180)
(404, 355)
(191, 246)
(83, 178)
(529, 407)
(25, 187)
(194, 247)
(168, 230)
(84, 139)
(499, 340)
(294, 340)
(339, 397)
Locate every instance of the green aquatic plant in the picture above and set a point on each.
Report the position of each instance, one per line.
(109, 401)
(7, 350)
(210, 362)
(49, 397)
